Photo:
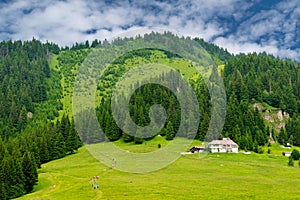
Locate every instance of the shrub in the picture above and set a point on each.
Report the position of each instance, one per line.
(138, 140)
(260, 150)
(295, 154)
(291, 162)
(269, 144)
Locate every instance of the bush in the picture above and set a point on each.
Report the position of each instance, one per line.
(291, 162)
(138, 140)
(269, 144)
(260, 150)
(295, 154)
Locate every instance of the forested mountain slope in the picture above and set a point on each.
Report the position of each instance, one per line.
(253, 78)
(36, 123)
(30, 95)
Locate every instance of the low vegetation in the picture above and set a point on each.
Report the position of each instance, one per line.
(215, 176)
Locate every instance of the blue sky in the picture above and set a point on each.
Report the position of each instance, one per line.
(238, 25)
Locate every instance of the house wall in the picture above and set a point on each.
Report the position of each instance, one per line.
(235, 150)
(221, 150)
(214, 150)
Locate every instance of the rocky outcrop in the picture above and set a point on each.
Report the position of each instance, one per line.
(276, 117)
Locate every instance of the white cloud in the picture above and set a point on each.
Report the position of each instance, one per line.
(236, 47)
(229, 22)
(274, 31)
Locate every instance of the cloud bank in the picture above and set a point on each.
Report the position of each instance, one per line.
(239, 26)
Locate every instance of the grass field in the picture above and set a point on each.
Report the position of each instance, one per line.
(215, 176)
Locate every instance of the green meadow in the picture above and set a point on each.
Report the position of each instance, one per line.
(214, 176)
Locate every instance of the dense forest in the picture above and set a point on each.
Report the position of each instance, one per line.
(37, 126)
(260, 78)
(29, 99)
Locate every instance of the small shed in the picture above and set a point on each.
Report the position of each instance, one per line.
(197, 149)
(287, 154)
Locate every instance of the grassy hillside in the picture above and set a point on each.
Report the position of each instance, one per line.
(216, 176)
(68, 62)
(35, 84)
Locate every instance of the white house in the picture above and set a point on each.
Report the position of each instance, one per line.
(223, 146)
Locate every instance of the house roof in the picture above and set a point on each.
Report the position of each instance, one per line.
(224, 141)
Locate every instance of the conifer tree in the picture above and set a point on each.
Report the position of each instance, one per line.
(6, 175)
(18, 177)
(169, 131)
(43, 147)
(282, 138)
(72, 140)
(29, 171)
(127, 137)
(2, 191)
(60, 146)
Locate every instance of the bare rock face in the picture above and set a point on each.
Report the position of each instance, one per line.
(286, 115)
(280, 115)
(267, 116)
(280, 125)
(258, 106)
(276, 117)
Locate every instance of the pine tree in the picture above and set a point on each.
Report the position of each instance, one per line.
(170, 134)
(2, 191)
(23, 118)
(18, 178)
(6, 175)
(255, 146)
(282, 138)
(29, 171)
(60, 146)
(64, 126)
(14, 113)
(2, 149)
(127, 137)
(43, 147)
(112, 131)
(36, 153)
(72, 141)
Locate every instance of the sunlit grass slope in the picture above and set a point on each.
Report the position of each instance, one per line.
(215, 176)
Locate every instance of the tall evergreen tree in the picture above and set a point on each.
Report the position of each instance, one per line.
(29, 171)
(60, 146)
(170, 133)
(72, 142)
(18, 177)
(2, 191)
